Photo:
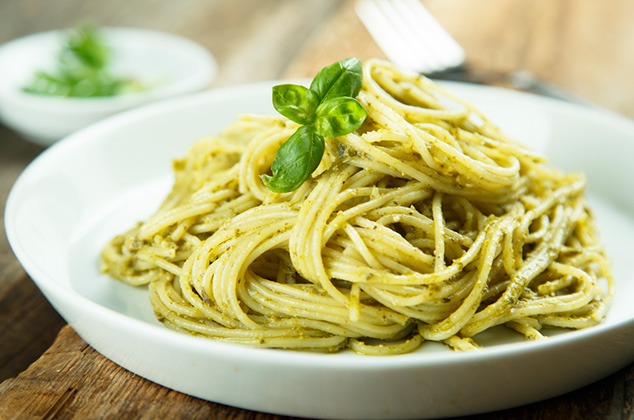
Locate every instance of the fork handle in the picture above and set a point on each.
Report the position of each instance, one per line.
(523, 80)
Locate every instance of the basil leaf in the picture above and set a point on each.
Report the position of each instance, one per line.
(339, 116)
(343, 78)
(295, 102)
(328, 108)
(295, 160)
(85, 46)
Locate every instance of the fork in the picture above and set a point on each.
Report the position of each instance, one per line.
(413, 39)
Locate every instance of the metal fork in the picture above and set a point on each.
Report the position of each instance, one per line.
(414, 40)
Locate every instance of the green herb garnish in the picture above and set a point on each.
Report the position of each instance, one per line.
(326, 109)
(82, 69)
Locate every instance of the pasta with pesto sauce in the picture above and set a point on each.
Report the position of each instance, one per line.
(426, 224)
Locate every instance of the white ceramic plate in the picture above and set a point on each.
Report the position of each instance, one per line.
(99, 181)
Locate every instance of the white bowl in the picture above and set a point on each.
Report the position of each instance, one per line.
(79, 193)
(169, 64)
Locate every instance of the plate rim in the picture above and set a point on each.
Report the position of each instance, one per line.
(51, 286)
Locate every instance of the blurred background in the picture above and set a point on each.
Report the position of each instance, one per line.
(584, 46)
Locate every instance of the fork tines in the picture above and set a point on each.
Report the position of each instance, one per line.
(409, 35)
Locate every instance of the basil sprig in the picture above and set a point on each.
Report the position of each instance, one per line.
(83, 69)
(326, 109)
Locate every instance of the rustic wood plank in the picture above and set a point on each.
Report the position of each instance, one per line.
(278, 35)
(341, 37)
(24, 309)
(583, 45)
(609, 398)
(75, 382)
(15, 155)
(28, 323)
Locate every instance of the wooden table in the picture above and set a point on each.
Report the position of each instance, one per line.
(586, 46)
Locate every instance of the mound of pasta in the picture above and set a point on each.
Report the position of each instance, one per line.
(426, 223)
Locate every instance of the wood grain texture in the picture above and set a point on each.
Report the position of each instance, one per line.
(583, 45)
(22, 307)
(77, 383)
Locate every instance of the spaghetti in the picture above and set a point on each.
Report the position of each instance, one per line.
(427, 223)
